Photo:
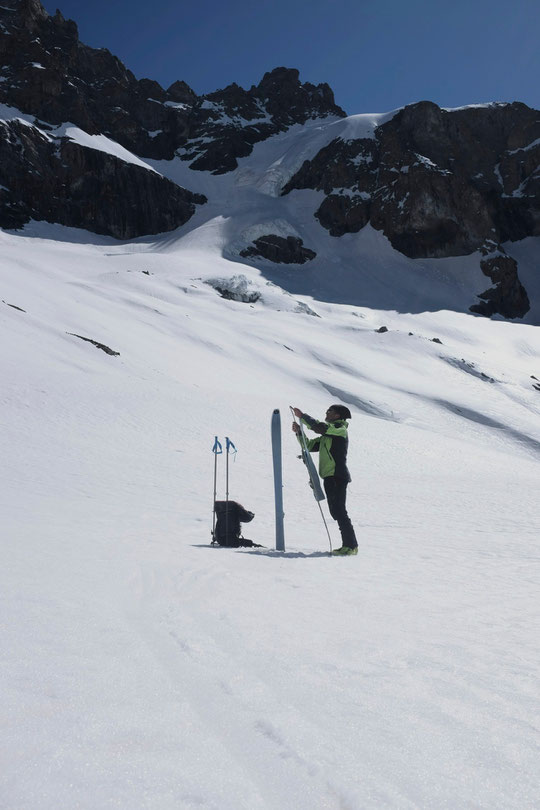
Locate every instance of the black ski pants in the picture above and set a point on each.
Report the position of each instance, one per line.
(336, 494)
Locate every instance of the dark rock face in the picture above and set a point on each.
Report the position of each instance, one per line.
(49, 73)
(347, 173)
(351, 165)
(438, 183)
(507, 297)
(450, 194)
(226, 124)
(341, 214)
(280, 249)
(60, 181)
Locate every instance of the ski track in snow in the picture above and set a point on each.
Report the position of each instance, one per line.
(144, 668)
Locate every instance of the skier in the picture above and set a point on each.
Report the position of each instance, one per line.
(332, 448)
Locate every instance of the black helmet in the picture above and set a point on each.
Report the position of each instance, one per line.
(342, 410)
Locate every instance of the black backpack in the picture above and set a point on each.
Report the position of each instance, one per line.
(229, 516)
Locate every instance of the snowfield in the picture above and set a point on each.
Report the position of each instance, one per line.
(143, 668)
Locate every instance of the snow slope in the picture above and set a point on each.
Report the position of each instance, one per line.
(143, 668)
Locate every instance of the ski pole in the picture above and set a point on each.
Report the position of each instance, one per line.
(217, 449)
(228, 445)
(325, 525)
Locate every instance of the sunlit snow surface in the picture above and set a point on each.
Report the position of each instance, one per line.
(144, 669)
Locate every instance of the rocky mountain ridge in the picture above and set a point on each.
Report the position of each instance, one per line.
(440, 183)
(47, 72)
(436, 182)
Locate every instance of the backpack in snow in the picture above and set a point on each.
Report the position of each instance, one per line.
(229, 516)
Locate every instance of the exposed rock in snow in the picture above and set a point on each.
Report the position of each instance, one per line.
(507, 297)
(97, 344)
(280, 249)
(235, 288)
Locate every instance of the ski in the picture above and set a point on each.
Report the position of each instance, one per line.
(314, 480)
(278, 479)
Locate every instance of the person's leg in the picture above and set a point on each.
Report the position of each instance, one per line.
(336, 493)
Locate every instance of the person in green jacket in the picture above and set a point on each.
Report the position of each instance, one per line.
(332, 444)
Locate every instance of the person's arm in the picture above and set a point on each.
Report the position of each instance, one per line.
(313, 445)
(314, 425)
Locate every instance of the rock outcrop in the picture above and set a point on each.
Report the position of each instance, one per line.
(438, 183)
(50, 74)
(226, 124)
(57, 180)
(507, 297)
(279, 249)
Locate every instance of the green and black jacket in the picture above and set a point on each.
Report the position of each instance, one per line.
(331, 445)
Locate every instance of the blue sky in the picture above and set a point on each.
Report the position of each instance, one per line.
(375, 54)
